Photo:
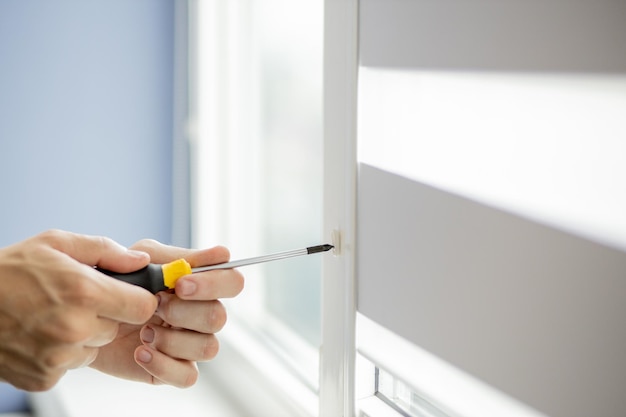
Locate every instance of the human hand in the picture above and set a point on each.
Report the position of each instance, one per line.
(165, 349)
(56, 310)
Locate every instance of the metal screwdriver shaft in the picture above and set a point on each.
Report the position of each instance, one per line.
(265, 258)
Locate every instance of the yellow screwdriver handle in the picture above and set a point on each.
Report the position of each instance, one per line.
(174, 270)
(154, 277)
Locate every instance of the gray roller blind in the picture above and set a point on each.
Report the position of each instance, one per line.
(515, 35)
(534, 312)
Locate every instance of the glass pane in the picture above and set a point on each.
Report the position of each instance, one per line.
(288, 48)
(258, 173)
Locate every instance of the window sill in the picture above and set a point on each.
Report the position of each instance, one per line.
(86, 392)
(256, 379)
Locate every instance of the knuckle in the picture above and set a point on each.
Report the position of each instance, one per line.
(217, 316)
(89, 358)
(102, 241)
(72, 334)
(238, 281)
(146, 310)
(223, 251)
(55, 359)
(109, 335)
(68, 329)
(41, 385)
(43, 381)
(144, 244)
(143, 308)
(51, 234)
(51, 237)
(82, 293)
(164, 341)
(210, 349)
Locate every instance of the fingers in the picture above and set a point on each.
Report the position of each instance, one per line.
(191, 315)
(165, 369)
(86, 287)
(57, 311)
(210, 285)
(200, 316)
(104, 332)
(169, 354)
(160, 253)
(69, 357)
(120, 301)
(75, 327)
(179, 343)
(21, 371)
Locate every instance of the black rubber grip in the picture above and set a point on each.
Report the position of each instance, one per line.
(150, 277)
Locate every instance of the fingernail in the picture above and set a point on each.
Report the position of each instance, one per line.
(187, 287)
(147, 335)
(144, 356)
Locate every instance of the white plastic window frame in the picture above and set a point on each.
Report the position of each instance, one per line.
(337, 357)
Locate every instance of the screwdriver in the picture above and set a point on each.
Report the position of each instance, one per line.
(161, 277)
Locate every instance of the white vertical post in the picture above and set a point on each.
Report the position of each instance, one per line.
(338, 285)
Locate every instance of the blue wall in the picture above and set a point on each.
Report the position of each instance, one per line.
(85, 121)
(86, 118)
